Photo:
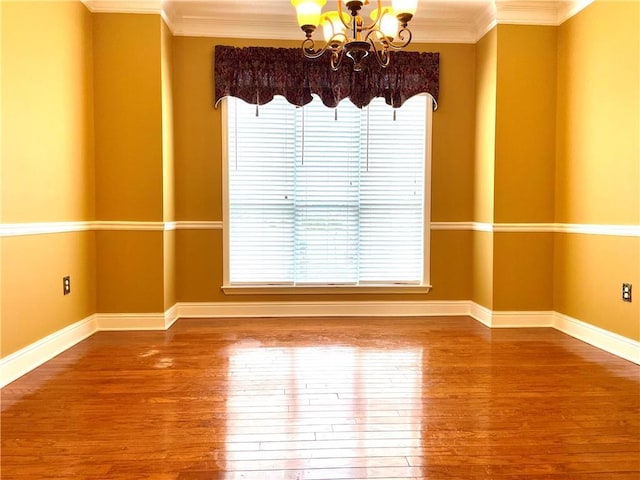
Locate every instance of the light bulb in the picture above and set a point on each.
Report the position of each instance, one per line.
(402, 7)
(388, 22)
(331, 24)
(308, 11)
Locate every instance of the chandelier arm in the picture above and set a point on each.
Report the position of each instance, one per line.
(334, 39)
(334, 44)
(346, 25)
(381, 54)
(309, 48)
(403, 42)
(336, 59)
(381, 37)
(376, 24)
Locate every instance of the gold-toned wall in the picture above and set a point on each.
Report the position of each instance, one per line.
(130, 271)
(485, 126)
(588, 273)
(128, 116)
(525, 124)
(1, 152)
(514, 167)
(523, 271)
(198, 174)
(524, 166)
(168, 168)
(47, 110)
(133, 154)
(32, 269)
(598, 164)
(484, 167)
(47, 167)
(598, 126)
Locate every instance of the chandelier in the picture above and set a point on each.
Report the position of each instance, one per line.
(349, 35)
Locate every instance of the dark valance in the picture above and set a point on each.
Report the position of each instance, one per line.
(256, 74)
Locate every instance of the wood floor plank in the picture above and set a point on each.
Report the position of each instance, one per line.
(325, 399)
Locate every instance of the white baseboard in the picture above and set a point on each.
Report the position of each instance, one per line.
(130, 321)
(170, 316)
(137, 321)
(618, 345)
(322, 309)
(26, 359)
(505, 319)
(17, 364)
(480, 313)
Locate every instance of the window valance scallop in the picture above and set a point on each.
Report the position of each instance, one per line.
(256, 74)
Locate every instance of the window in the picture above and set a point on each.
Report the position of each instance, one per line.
(317, 196)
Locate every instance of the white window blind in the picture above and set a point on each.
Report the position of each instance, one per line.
(323, 196)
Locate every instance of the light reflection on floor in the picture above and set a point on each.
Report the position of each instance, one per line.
(334, 407)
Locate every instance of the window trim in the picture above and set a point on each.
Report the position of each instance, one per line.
(260, 289)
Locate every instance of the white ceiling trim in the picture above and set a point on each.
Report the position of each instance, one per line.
(527, 13)
(274, 26)
(485, 21)
(541, 12)
(124, 6)
(569, 9)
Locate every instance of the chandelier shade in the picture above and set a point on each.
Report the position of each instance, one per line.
(308, 11)
(347, 34)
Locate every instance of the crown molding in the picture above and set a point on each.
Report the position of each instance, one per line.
(125, 6)
(435, 32)
(442, 27)
(566, 10)
(485, 21)
(526, 12)
(266, 27)
(537, 12)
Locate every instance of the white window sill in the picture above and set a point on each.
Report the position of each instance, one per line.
(323, 289)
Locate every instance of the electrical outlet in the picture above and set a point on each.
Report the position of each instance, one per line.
(66, 285)
(626, 292)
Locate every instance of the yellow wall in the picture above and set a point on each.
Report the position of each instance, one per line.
(130, 272)
(453, 134)
(588, 273)
(484, 167)
(134, 161)
(525, 124)
(523, 271)
(1, 151)
(128, 117)
(598, 164)
(598, 125)
(33, 303)
(47, 167)
(47, 110)
(524, 166)
(168, 168)
(485, 127)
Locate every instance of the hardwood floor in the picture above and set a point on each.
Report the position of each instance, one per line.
(294, 399)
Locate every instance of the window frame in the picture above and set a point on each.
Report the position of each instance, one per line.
(259, 289)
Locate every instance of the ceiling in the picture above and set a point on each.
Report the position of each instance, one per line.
(451, 21)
